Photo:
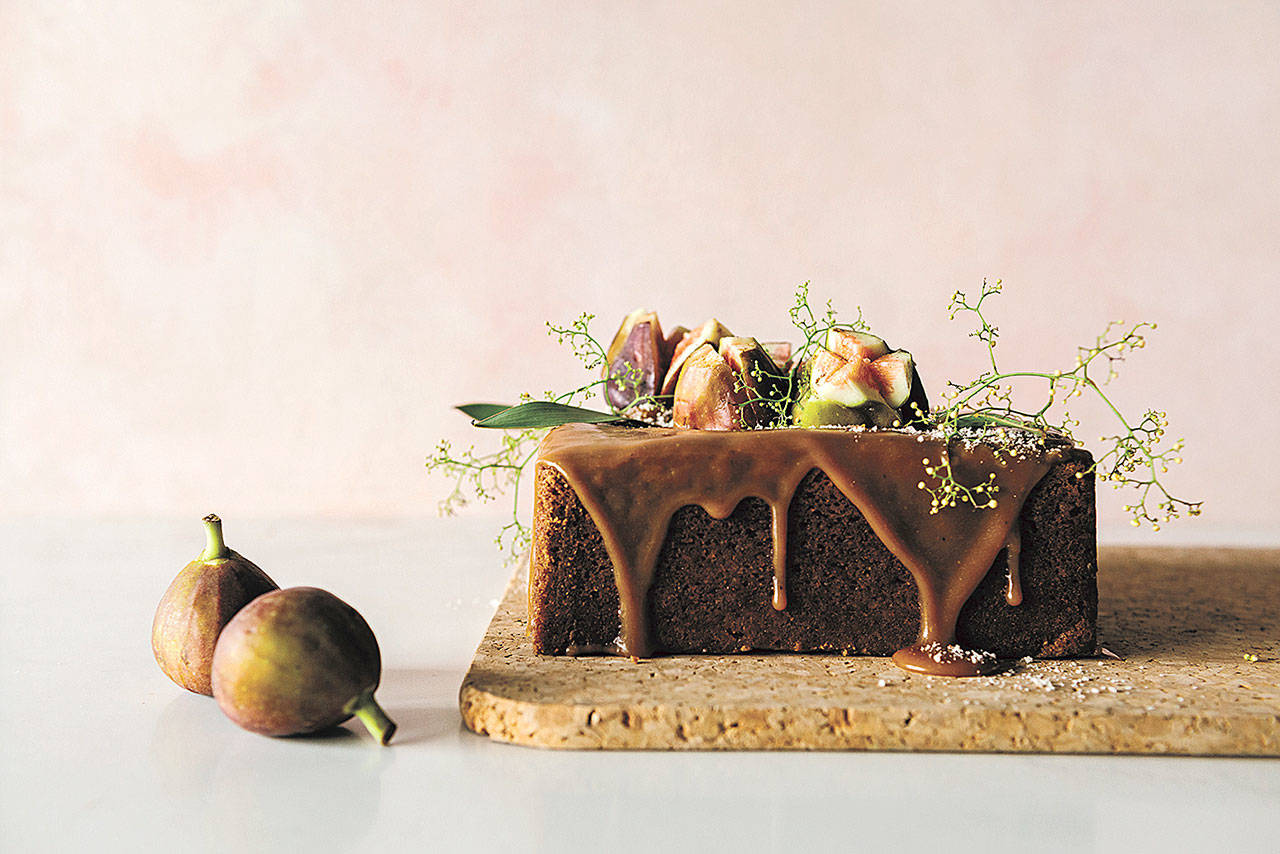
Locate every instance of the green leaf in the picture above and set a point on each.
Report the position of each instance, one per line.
(481, 411)
(544, 413)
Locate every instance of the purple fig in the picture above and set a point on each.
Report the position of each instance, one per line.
(640, 315)
(758, 373)
(298, 661)
(635, 362)
(200, 601)
(635, 373)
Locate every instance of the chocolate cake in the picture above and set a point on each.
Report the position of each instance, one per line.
(653, 540)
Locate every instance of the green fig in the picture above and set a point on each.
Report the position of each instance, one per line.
(812, 412)
(297, 661)
(200, 601)
(858, 371)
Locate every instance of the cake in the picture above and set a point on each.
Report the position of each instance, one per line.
(741, 495)
(804, 506)
(652, 540)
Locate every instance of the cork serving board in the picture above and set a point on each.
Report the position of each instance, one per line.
(1186, 624)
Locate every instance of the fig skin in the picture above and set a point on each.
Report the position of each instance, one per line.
(758, 374)
(199, 603)
(298, 661)
(636, 360)
(638, 368)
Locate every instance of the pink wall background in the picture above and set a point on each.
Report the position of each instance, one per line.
(249, 257)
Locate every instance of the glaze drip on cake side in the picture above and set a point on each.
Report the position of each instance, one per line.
(633, 480)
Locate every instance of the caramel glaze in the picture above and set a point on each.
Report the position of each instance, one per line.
(632, 481)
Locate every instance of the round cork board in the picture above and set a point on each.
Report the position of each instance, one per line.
(1189, 664)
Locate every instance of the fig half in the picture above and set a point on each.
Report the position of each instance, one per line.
(708, 333)
(708, 395)
(759, 374)
(636, 360)
(297, 661)
(200, 601)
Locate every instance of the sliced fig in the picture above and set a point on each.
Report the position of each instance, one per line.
(850, 374)
(636, 365)
(640, 315)
(849, 382)
(669, 343)
(708, 333)
(708, 395)
(892, 374)
(780, 352)
(759, 375)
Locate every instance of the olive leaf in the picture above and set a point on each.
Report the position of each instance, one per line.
(543, 413)
(481, 411)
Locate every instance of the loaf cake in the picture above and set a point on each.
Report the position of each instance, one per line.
(654, 540)
(739, 496)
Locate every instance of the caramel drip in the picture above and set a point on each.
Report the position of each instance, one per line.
(779, 515)
(633, 480)
(1013, 553)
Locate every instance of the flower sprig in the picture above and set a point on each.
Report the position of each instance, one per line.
(1137, 456)
(582, 343)
(484, 477)
(945, 491)
(814, 329)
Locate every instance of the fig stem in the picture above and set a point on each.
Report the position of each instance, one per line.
(372, 716)
(215, 548)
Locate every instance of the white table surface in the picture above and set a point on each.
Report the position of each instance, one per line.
(103, 752)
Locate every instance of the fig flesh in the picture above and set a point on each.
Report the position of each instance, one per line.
(708, 395)
(853, 345)
(708, 333)
(199, 603)
(297, 661)
(636, 360)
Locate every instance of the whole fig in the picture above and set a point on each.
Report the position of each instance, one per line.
(297, 661)
(200, 601)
